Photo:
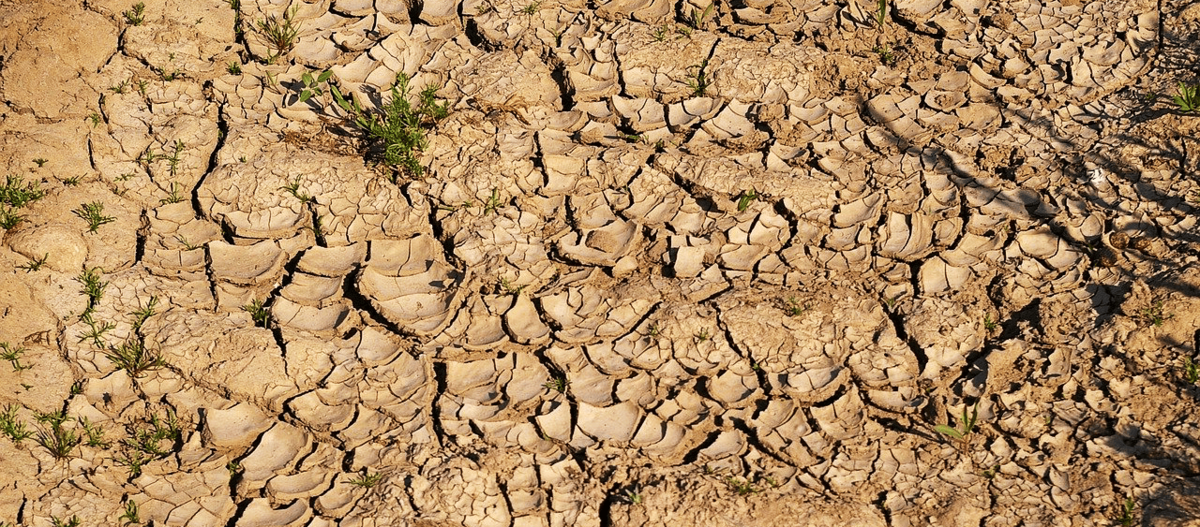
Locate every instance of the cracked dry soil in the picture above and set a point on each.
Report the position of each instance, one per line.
(666, 265)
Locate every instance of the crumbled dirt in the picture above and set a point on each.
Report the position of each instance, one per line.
(764, 264)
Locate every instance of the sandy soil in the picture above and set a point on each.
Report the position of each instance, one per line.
(664, 265)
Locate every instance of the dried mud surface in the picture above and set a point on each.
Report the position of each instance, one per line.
(578, 315)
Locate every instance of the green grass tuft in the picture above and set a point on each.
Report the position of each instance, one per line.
(399, 128)
(57, 439)
(93, 214)
(133, 357)
(279, 33)
(131, 514)
(968, 424)
(12, 354)
(259, 312)
(12, 427)
(17, 193)
(137, 15)
(367, 480)
(93, 288)
(699, 81)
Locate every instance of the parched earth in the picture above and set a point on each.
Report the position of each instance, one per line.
(751, 265)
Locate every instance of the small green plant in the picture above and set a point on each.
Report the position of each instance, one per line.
(633, 496)
(699, 81)
(741, 487)
(73, 522)
(313, 86)
(174, 158)
(142, 84)
(631, 138)
(1127, 511)
(886, 56)
(52, 418)
(745, 199)
(293, 188)
(697, 19)
(13, 427)
(147, 158)
(137, 15)
(452, 208)
(41, 161)
(166, 75)
(891, 302)
(187, 246)
(120, 87)
(92, 287)
(558, 384)
(133, 357)
(233, 68)
(1191, 372)
(1155, 315)
(71, 181)
(131, 514)
(144, 313)
(58, 440)
(236, 6)
(367, 480)
(259, 313)
(12, 354)
(149, 440)
(279, 33)
(531, 8)
(988, 323)
(991, 472)
(93, 214)
(484, 8)
(233, 467)
(653, 331)
(9, 217)
(1188, 97)
(133, 462)
(93, 434)
(968, 424)
(318, 229)
(794, 308)
(173, 196)
(493, 204)
(17, 193)
(96, 331)
(703, 335)
(94, 118)
(660, 33)
(509, 288)
(881, 12)
(399, 127)
(77, 387)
